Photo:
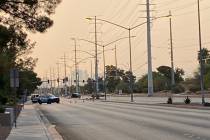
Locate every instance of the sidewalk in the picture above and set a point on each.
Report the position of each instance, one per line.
(29, 126)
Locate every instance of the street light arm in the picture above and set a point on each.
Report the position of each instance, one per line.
(109, 23)
(117, 40)
(151, 20)
(91, 42)
(84, 59)
(86, 52)
(106, 50)
(138, 25)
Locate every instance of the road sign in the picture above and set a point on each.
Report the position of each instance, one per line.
(14, 78)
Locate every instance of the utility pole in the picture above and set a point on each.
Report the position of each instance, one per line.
(58, 72)
(91, 70)
(104, 82)
(65, 78)
(201, 56)
(115, 51)
(96, 59)
(149, 53)
(53, 76)
(116, 74)
(131, 70)
(75, 59)
(172, 54)
(51, 80)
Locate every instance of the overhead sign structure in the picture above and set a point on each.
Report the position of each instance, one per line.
(14, 78)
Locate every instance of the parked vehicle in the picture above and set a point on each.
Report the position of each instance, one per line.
(54, 99)
(34, 98)
(75, 95)
(100, 94)
(48, 99)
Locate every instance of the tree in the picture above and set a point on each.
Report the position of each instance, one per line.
(160, 83)
(166, 71)
(29, 81)
(17, 16)
(111, 77)
(29, 14)
(116, 78)
(88, 87)
(123, 86)
(204, 54)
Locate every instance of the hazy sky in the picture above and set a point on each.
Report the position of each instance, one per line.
(69, 21)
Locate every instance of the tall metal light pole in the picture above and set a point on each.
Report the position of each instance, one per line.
(104, 73)
(201, 55)
(96, 59)
(172, 54)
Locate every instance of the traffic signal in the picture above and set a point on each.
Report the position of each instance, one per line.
(83, 81)
(58, 80)
(48, 81)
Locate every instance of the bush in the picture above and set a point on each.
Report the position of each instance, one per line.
(178, 89)
(2, 109)
(194, 88)
(3, 100)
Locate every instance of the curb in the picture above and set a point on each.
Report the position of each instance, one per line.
(50, 129)
(165, 105)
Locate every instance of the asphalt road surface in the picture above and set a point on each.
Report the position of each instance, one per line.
(119, 121)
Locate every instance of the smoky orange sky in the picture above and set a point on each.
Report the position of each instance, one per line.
(69, 21)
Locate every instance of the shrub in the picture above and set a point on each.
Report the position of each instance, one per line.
(3, 100)
(2, 109)
(194, 88)
(178, 89)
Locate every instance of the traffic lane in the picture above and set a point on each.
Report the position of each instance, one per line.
(197, 126)
(91, 121)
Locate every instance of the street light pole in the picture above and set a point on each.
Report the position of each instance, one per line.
(172, 54)
(96, 59)
(201, 56)
(104, 82)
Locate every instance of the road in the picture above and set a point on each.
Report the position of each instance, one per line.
(118, 121)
